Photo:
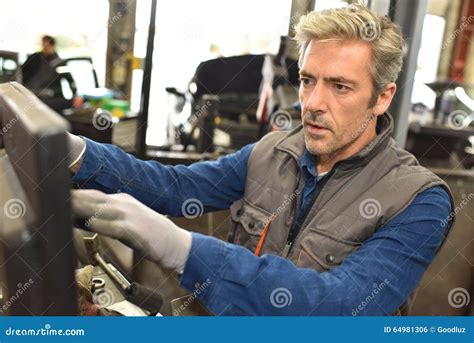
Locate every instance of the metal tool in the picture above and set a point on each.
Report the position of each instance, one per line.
(134, 292)
(93, 247)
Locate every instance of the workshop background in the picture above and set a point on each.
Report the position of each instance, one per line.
(185, 81)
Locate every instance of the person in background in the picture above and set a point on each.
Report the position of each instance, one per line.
(40, 75)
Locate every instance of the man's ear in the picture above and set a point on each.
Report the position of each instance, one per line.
(385, 98)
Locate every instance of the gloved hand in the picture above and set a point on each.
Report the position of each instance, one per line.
(123, 217)
(77, 147)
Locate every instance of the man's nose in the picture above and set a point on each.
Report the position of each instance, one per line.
(316, 101)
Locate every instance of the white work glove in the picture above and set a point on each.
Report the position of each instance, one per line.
(123, 217)
(77, 148)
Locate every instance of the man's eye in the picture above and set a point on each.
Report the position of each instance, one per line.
(341, 88)
(305, 81)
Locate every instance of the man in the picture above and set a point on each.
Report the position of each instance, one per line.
(40, 75)
(330, 219)
(40, 65)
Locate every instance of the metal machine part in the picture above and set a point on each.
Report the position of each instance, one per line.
(93, 248)
(35, 188)
(98, 283)
(133, 292)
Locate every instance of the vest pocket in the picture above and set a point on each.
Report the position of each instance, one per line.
(247, 223)
(322, 251)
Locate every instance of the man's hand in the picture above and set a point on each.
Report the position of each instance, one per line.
(77, 101)
(123, 217)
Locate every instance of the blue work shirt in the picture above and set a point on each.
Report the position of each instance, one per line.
(231, 280)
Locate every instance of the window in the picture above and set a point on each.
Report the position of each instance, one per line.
(80, 28)
(188, 32)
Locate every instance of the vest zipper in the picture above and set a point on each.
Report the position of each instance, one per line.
(295, 229)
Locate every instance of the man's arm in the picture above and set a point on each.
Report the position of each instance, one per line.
(375, 280)
(214, 185)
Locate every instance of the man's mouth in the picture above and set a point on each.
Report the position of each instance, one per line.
(315, 129)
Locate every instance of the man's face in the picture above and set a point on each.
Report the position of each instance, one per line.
(335, 92)
(48, 49)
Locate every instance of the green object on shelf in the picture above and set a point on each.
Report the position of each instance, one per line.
(97, 96)
(118, 108)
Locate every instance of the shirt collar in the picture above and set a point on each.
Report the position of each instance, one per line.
(308, 165)
(308, 162)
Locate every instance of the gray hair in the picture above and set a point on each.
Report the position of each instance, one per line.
(356, 22)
